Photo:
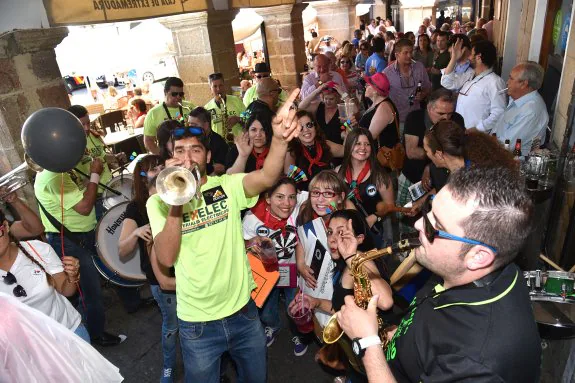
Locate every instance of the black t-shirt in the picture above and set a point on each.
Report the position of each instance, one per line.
(233, 155)
(304, 164)
(219, 149)
(472, 333)
(417, 123)
(133, 213)
(439, 177)
(440, 62)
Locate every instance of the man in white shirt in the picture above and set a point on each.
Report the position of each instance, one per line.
(526, 115)
(481, 101)
(373, 28)
(321, 75)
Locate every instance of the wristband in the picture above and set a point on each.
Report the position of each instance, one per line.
(95, 178)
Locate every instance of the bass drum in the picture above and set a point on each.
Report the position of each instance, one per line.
(122, 183)
(122, 272)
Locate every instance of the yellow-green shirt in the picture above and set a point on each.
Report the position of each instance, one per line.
(213, 272)
(157, 115)
(234, 106)
(47, 189)
(252, 95)
(95, 148)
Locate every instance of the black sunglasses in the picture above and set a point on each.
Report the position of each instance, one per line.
(192, 130)
(18, 291)
(176, 94)
(262, 75)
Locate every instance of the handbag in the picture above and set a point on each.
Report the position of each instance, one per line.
(392, 158)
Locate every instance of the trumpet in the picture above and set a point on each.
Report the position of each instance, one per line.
(362, 287)
(177, 185)
(17, 178)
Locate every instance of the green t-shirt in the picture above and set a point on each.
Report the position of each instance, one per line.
(234, 107)
(252, 95)
(157, 115)
(47, 189)
(213, 272)
(95, 148)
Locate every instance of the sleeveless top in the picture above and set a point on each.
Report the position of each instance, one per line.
(339, 293)
(332, 128)
(389, 136)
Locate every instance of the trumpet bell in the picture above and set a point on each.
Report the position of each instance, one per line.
(177, 185)
(18, 178)
(332, 332)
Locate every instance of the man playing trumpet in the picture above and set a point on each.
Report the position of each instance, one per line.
(203, 240)
(225, 109)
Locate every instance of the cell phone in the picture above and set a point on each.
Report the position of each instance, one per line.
(416, 191)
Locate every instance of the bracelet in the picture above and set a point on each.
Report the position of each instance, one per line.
(350, 256)
(95, 178)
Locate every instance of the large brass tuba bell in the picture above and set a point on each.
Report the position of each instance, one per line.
(177, 185)
(17, 178)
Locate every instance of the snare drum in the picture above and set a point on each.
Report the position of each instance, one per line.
(559, 283)
(122, 183)
(125, 272)
(554, 315)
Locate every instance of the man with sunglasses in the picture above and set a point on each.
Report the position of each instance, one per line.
(174, 107)
(203, 241)
(481, 101)
(261, 71)
(478, 325)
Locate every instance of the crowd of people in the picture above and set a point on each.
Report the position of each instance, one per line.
(323, 174)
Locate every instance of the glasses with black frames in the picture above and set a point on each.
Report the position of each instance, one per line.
(18, 291)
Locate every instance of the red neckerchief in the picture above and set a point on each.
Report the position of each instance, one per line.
(354, 184)
(141, 114)
(261, 157)
(315, 160)
(262, 212)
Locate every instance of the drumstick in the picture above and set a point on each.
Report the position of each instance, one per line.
(555, 266)
(403, 268)
(99, 183)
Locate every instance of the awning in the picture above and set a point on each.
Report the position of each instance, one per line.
(246, 23)
(362, 9)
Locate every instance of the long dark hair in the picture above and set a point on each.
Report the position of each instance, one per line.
(285, 180)
(13, 239)
(264, 118)
(359, 226)
(378, 174)
(164, 135)
(478, 147)
(141, 186)
(327, 178)
(296, 147)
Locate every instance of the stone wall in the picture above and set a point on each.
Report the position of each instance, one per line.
(337, 19)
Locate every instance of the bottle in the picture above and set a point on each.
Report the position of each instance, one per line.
(417, 91)
(507, 144)
(517, 150)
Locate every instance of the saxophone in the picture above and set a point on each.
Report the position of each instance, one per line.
(227, 133)
(362, 288)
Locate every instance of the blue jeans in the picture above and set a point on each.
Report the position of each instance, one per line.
(93, 315)
(270, 312)
(82, 332)
(167, 303)
(241, 334)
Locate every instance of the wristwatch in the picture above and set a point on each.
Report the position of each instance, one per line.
(359, 345)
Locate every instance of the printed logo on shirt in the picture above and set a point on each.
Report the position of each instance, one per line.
(215, 211)
(214, 194)
(371, 190)
(262, 231)
(36, 272)
(406, 322)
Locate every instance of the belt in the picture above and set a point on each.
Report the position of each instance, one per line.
(243, 310)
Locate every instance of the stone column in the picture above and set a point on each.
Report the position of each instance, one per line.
(29, 80)
(337, 19)
(204, 43)
(285, 43)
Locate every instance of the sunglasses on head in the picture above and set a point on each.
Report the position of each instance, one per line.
(18, 291)
(176, 94)
(431, 233)
(191, 130)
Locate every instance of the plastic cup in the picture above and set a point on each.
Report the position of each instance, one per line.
(342, 111)
(268, 256)
(302, 317)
